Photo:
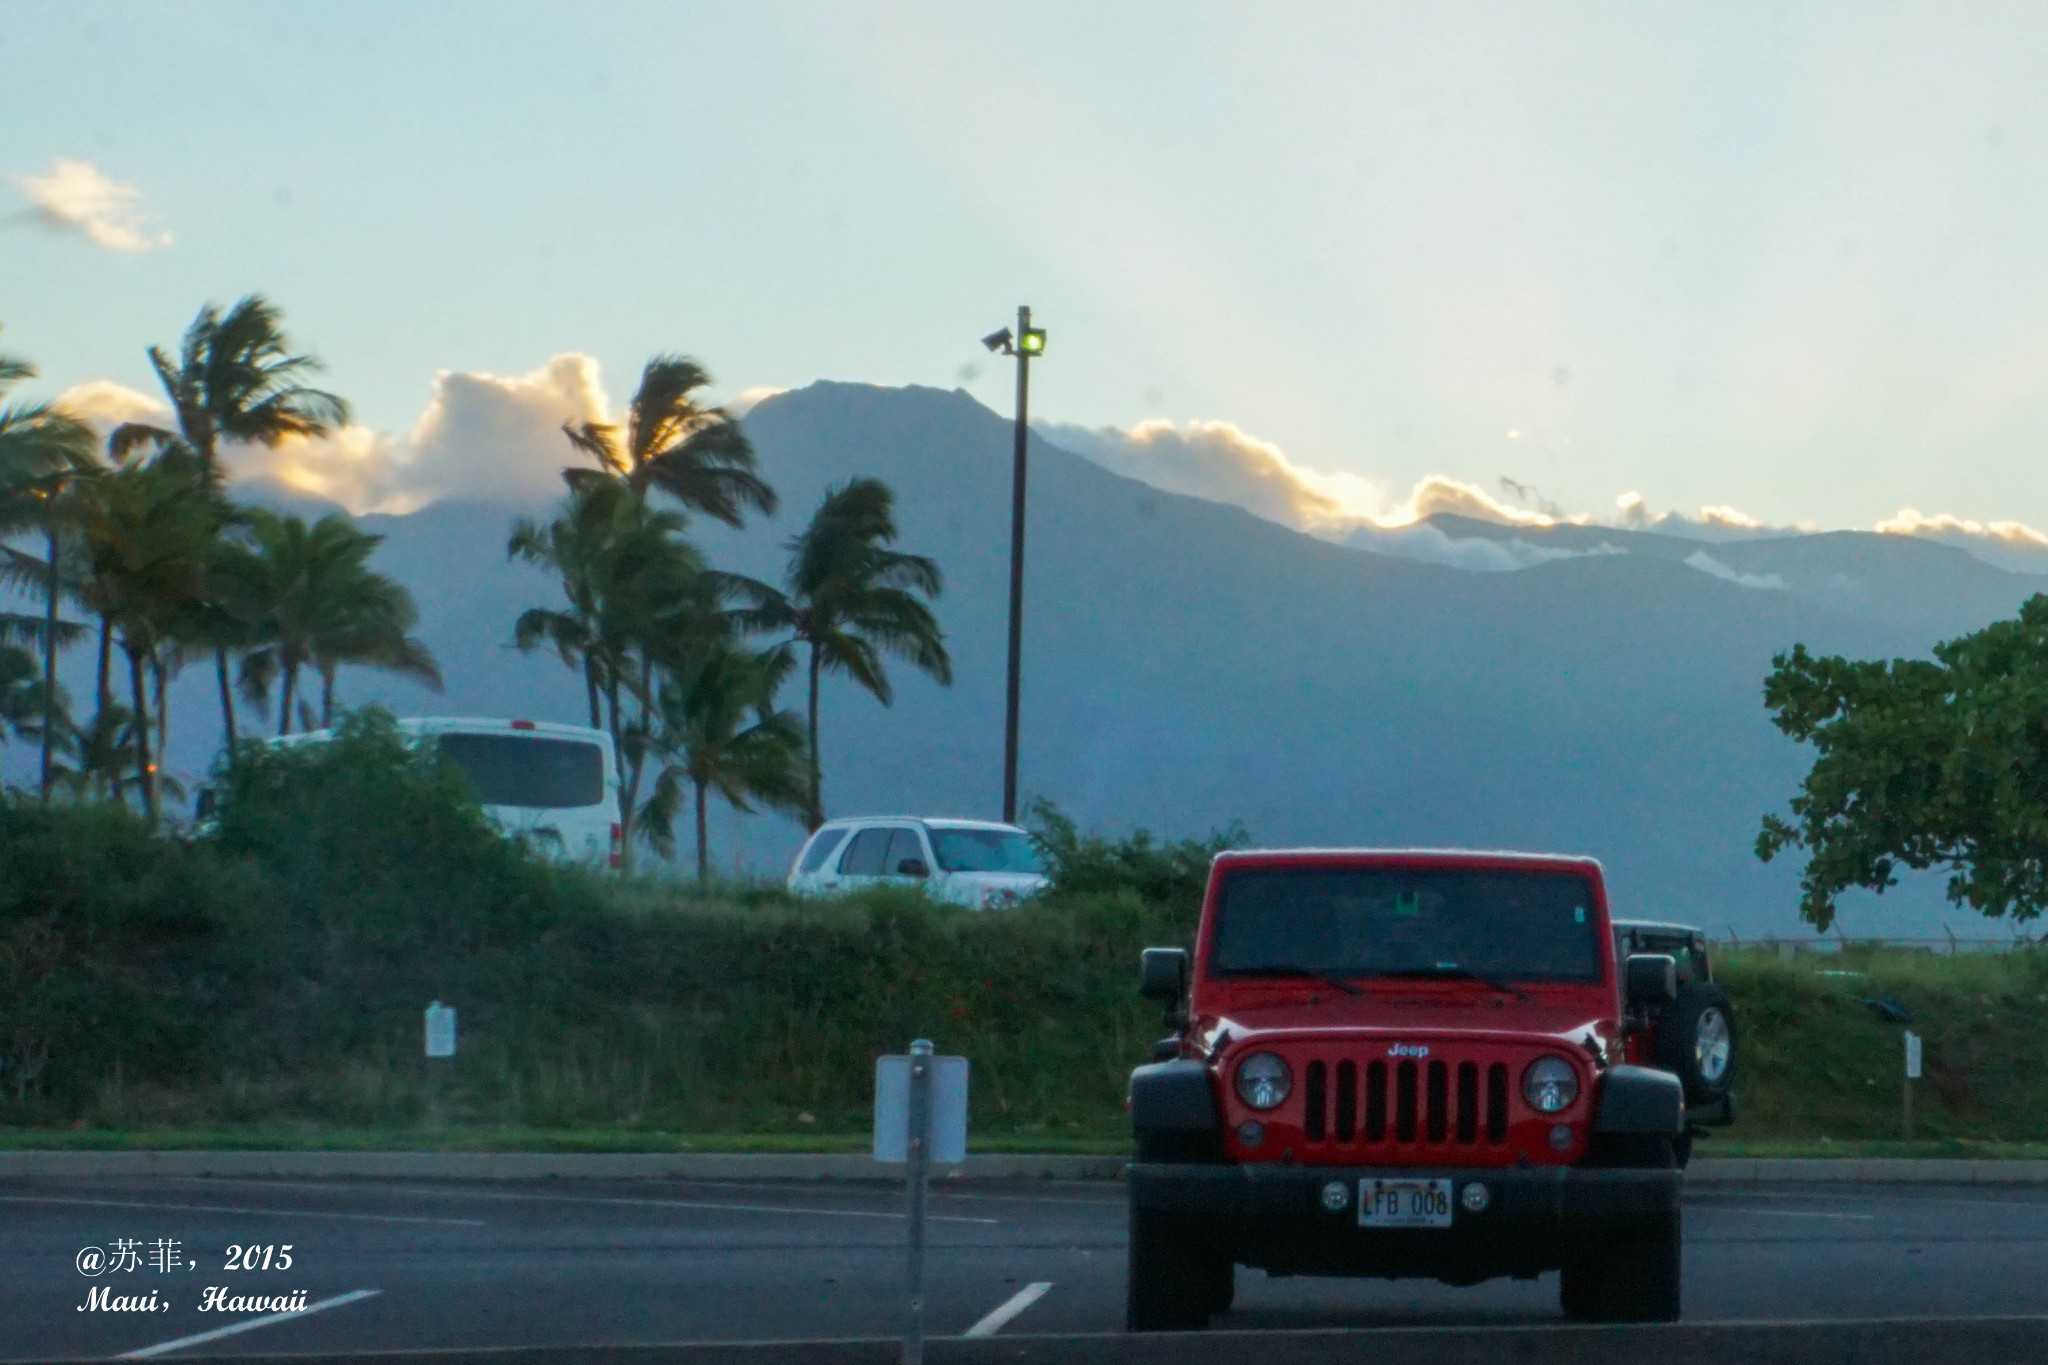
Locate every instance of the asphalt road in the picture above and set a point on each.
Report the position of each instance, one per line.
(561, 1262)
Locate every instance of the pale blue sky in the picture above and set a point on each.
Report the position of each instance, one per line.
(1784, 257)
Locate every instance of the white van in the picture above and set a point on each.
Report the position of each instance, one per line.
(552, 787)
(976, 863)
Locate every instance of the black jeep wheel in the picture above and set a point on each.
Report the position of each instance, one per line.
(1222, 1284)
(1172, 1281)
(1636, 1278)
(1696, 1041)
(1578, 1289)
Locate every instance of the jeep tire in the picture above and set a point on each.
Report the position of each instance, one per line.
(1222, 1284)
(1696, 1041)
(1172, 1283)
(1578, 1289)
(1631, 1278)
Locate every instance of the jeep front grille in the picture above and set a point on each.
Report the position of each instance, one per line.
(1426, 1107)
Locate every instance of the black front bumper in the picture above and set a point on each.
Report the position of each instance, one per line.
(1275, 1217)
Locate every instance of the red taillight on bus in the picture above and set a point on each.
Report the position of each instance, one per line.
(522, 725)
(617, 845)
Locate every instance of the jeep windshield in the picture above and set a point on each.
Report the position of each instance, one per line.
(1413, 924)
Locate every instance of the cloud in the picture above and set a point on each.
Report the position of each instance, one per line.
(77, 196)
(103, 405)
(2009, 545)
(1713, 523)
(481, 435)
(1762, 582)
(1220, 462)
(748, 398)
(1480, 554)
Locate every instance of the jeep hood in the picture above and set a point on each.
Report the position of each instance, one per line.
(1376, 1019)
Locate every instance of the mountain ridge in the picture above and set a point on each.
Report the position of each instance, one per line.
(1189, 664)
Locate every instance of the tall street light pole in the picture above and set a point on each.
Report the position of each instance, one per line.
(1028, 342)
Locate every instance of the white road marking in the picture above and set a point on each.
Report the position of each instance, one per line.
(1795, 1213)
(221, 1208)
(630, 1203)
(247, 1325)
(1008, 1309)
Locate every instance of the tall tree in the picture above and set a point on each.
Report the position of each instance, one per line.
(631, 580)
(235, 378)
(41, 448)
(147, 527)
(848, 600)
(697, 455)
(311, 601)
(718, 730)
(1922, 764)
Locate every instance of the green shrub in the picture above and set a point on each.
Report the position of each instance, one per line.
(1166, 874)
(274, 971)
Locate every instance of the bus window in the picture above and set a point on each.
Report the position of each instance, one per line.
(528, 770)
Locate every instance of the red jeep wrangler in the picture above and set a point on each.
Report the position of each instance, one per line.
(1406, 1064)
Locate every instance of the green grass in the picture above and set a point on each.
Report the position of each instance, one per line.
(1958, 1148)
(265, 988)
(1816, 1062)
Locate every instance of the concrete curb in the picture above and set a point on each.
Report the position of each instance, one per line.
(1884, 1341)
(33, 1165)
(55, 1165)
(858, 1166)
(1865, 1170)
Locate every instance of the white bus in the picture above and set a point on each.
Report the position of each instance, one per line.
(552, 787)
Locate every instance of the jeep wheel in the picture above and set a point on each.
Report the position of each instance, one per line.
(1222, 1284)
(1696, 1041)
(1172, 1283)
(1636, 1278)
(1578, 1289)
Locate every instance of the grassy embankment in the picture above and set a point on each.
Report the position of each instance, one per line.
(264, 988)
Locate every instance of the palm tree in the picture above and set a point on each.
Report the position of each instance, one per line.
(631, 580)
(849, 600)
(719, 731)
(235, 379)
(308, 599)
(147, 527)
(22, 713)
(370, 625)
(697, 455)
(40, 449)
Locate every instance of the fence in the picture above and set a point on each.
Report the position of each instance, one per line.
(1835, 943)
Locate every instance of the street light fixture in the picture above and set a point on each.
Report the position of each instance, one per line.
(1025, 343)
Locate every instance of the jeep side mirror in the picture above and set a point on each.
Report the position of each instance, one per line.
(1163, 975)
(912, 867)
(1652, 979)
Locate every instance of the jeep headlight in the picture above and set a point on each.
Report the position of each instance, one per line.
(1550, 1085)
(1263, 1081)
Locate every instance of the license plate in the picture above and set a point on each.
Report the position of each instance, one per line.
(1404, 1203)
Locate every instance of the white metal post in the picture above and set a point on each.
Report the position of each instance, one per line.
(918, 1170)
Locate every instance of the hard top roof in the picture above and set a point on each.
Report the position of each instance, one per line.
(1408, 857)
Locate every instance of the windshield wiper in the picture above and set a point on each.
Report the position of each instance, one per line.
(1447, 972)
(1311, 973)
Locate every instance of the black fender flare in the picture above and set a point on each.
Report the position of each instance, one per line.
(1640, 1099)
(1174, 1097)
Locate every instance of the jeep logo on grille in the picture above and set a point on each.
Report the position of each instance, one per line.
(1407, 1050)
